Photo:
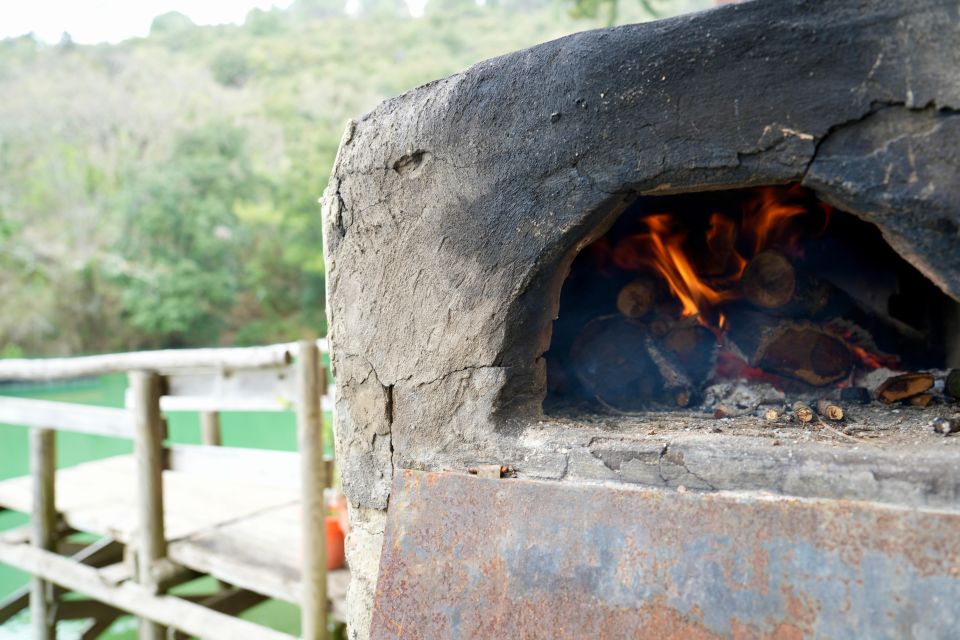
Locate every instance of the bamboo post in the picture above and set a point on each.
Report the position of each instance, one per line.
(313, 608)
(210, 428)
(148, 443)
(43, 468)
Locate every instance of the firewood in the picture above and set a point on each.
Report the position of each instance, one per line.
(677, 385)
(637, 298)
(694, 347)
(952, 384)
(922, 400)
(829, 410)
(772, 282)
(769, 280)
(904, 386)
(796, 349)
(803, 412)
(806, 353)
(609, 358)
(771, 415)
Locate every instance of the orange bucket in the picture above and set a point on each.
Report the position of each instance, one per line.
(335, 555)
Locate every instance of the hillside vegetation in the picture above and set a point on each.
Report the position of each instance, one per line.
(163, 191)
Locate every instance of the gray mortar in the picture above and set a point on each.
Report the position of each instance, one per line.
(454, 211)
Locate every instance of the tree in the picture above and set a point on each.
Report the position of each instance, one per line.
(170, 23)
(182, 244)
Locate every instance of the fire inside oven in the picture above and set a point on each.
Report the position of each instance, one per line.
(688, 299)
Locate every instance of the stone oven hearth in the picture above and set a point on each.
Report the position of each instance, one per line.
(640, 256)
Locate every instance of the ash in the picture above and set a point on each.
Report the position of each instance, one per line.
(740, 397)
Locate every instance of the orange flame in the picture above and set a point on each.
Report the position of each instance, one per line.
(765, 223)
(767, 219)
(721, 244)
(662, 250)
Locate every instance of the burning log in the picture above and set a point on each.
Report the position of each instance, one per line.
(803, 412)
(904, 386)
(829, 410)
(770, 281)
(610, 360)
(805, 352)
(796, 349)
(637, 298)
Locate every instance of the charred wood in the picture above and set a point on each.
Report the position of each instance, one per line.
(772, 282)
(904, 386)
(677, 386)
(796, 349)
(694, 347)
(610, 360)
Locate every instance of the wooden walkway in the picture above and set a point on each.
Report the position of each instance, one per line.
(237, 515)
(246, 534)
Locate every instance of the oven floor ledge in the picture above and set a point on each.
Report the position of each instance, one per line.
(884, 456)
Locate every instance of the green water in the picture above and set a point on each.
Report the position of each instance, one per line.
(263, 430)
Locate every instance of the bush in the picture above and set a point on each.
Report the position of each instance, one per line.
(231, 68)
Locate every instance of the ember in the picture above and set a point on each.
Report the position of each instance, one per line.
(692, 290)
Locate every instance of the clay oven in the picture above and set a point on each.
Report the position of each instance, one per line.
(554, 261)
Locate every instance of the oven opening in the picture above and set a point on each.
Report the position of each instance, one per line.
(745, 301)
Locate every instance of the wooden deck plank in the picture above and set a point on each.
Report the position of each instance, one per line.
(260, 552)
(100, 497)
(245, 534)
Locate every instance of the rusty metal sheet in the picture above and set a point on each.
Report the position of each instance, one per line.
(467, 557)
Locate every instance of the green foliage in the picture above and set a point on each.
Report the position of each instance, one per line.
(230, 68)
(182, 239)
(169, 23)
(163, 191)
(609, 10)
(264, 23)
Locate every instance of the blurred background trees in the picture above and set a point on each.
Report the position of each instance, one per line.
(163, 191)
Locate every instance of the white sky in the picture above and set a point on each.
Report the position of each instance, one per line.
(90, 21)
